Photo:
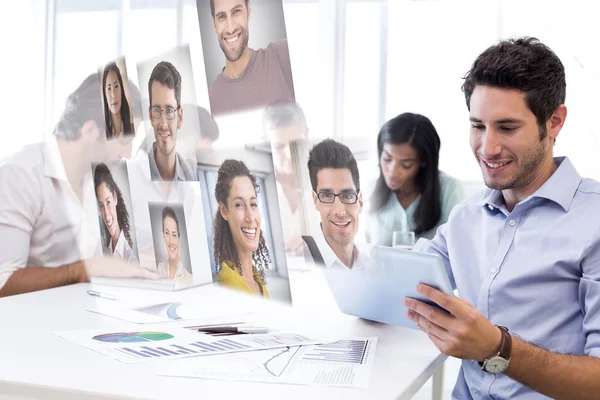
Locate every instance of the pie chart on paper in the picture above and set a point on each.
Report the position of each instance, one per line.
(129, 337)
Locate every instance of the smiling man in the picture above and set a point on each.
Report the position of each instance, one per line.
(166, 115)
(524, 255)
(334, 178)
(251, 78)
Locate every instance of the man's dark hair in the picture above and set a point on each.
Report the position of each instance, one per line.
(524, 64)
(165, 73)
(331, 154)
(282, 114)
(212, 7)
(84, 104)
(207, 129)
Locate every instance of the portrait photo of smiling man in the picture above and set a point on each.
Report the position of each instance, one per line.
(166, 116)
(337, 197)
(244, 71)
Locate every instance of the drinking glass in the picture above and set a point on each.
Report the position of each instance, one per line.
(403, 239)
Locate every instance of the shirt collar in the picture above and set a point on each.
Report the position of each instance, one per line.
(329, 256)
(179, 175)
(179, 270)
(560, 188)
(120, 247)
(53, 163)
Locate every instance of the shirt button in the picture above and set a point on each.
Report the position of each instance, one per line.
(512, 222)
(493, 270)
(491, 207)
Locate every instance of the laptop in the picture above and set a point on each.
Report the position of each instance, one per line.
(377, 293)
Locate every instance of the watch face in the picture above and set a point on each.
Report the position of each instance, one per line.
(496, 365)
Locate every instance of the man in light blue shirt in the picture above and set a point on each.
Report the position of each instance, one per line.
(524, 255)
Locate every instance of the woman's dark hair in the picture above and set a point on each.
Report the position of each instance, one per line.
(125, 111)
(224, 247)
(417, 131)
(169, 212)
(102, 175)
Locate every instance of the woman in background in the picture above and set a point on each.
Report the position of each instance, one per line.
(116, 236)
(117, 114)
(173, 268)
(411, 194)
(240, 249)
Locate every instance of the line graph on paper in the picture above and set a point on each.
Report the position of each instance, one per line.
(259, 366)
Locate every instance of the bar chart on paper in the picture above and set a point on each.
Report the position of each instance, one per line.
(344, 363)
(342, 351)
(132, 347)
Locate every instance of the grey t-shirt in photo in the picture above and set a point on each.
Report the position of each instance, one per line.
(267, 79)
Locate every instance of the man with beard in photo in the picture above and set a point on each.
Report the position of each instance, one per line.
(251, 78)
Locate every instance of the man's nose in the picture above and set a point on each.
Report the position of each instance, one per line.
(339, 208)
(490, 143)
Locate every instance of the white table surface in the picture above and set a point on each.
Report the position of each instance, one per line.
(35, 363)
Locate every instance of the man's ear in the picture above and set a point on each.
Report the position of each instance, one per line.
(90, 131)
(360, 202)
(556, 121)
(223, 211)
(315, 198)
(179, 117)
(249, 9)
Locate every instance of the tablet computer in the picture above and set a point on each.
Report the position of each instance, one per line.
(377, 292)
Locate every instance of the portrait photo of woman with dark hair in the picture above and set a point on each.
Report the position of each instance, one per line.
(117, 110)
(173, 267)
(116, 227)
(240, 249)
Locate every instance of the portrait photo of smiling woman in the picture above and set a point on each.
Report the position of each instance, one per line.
(240, 249)
(115, 93)
(171, 243)
(116, 226)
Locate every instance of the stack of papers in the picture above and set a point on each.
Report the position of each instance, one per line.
(145, 345)
(344, 363)
(286, 358)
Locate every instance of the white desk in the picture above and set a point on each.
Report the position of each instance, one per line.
(35, 363)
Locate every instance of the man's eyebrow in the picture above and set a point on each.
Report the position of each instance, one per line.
(346, 190)
(500, 121)
(508, 121)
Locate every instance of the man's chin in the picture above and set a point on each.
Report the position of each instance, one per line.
(497, 184)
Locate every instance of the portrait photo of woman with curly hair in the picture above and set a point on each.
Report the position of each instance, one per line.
(116, 226)
(240, 250)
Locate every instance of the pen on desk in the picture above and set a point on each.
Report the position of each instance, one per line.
(233, 329)
(102, 295)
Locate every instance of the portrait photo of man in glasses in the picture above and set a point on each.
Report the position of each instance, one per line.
(166, 117)
(336, 194)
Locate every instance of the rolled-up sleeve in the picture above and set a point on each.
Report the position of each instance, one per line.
(18, 197)
(589, 297)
